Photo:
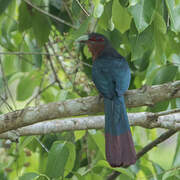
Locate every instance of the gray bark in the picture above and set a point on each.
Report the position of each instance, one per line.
(86, 106)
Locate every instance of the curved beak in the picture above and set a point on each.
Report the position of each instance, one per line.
(82, 39)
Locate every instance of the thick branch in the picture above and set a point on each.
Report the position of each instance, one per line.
(84, 106)
(147, 120)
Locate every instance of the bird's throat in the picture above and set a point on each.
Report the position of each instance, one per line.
(95, 50)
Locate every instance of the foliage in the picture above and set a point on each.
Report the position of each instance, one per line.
(146, 32)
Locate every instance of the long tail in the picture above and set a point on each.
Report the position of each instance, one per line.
(119, 144)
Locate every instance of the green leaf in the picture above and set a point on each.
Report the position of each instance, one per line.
(98, 10)
(124, 177)
(133, 2)
(81, 30)
(89, 176)
(178, 102)
(99, 140)
(94, 176)
(122, 45)
(160, 106)
(49, 95)
(165, 74)
(120, 17)
(173, 47)
(24, 64)
(176, 159)
(56, 3)
(27, 85)
(29, 176)
(1, 84)
(79, 134)
(140, 42)
(105, 20)
(57, 159)
(25, 142)
(142, 13)
(159, 23)
(71, 158)
(174, 13)
(158, 169)
(6, 34)
(160, 39)
(103, 163)
(41, 27)
(9, 64)
(177, 2)
(3, 5)
(171, 175)
(142, 63)
(42, 177)
(3, 175)
(25, 17)
(37, 58)
(76, 9)
(146, 170)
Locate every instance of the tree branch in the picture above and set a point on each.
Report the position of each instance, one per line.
(87, 106)
(26, 53)
(157, 141)
(83, 9)
(143, 119)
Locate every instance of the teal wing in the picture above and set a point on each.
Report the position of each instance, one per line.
(111, 76)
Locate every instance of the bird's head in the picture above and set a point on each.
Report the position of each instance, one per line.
(96, 43)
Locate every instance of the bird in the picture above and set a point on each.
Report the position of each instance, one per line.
(111, 76)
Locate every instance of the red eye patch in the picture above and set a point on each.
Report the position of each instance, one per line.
(96, 39)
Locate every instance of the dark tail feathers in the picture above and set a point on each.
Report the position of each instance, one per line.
(119, 144)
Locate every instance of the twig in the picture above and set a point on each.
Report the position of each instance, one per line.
(6, 85)
(157, 141)
(53, 69)
(69, 13)
(69, 78)
(40, 92)
(4, 101)
(61, 65)
(50, 15)
(167, 112)
(168, 170)
(3, 79)
(86, 64)
(27, 53)
(36, 53)
(43, 146)
(41, 84)
(147, 148)
(84, 10)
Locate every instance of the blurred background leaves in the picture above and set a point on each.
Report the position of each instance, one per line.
(40, 63)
